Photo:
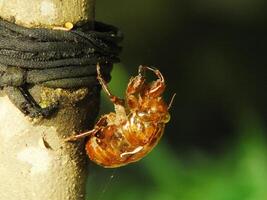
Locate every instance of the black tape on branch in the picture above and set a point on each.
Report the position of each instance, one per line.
(67, 51)
(56, 58)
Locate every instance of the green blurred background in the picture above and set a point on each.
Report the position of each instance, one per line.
(212, 53)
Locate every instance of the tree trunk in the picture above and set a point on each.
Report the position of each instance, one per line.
(35, 162)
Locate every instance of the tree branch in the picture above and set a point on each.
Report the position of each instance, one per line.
(35, 162)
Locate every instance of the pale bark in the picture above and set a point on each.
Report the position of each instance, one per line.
(46, 13)
(35, 162)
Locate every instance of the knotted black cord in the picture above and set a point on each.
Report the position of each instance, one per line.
(56, 58)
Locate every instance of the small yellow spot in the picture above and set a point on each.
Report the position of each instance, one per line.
(68, 25)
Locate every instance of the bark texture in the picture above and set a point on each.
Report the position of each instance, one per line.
(35, 162)
(47, 13)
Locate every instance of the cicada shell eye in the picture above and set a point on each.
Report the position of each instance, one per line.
(166, 118)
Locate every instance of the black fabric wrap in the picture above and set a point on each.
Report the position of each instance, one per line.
(56, 58)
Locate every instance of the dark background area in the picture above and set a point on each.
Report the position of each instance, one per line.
(212, 54)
